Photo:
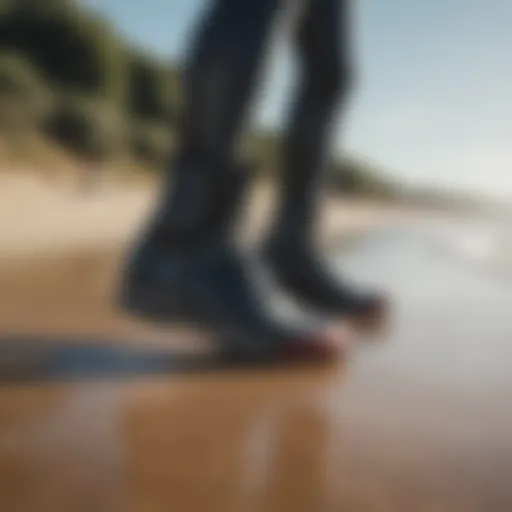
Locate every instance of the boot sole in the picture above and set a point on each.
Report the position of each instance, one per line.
(159, 307)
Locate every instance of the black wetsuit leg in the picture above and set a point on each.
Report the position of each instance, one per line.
(188, 267)
(324, 52)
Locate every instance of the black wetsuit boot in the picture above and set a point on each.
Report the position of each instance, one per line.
(323, 49)
(188, 266)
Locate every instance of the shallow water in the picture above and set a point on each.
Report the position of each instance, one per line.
(450, 313)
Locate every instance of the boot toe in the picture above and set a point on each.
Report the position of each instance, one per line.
(326, 345)
(372, 312)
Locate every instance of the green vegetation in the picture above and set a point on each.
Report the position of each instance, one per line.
(66, 73)
(25, 99)
(354, 177)
(91, 127)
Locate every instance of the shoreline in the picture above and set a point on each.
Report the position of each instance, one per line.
(41, 220)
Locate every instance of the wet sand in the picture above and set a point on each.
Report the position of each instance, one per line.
(420, 423)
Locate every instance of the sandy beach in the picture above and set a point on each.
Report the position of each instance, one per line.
(53, 235)
(44, 217)
(96, 416)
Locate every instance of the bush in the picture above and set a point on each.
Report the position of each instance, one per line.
(90, 128)
(37, 5)
(151, 144)
(6, 6)
(354, 177)
(264, 149)
(152, 90)
(74, 51)
(25, 99)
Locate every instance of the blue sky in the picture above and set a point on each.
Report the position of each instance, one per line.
(433, 103)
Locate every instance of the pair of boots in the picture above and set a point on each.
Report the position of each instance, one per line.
(189, 267)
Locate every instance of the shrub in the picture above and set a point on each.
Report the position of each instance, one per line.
(151, 144)
(351, 176)
(91, 128)
(264, 149)
(74, 50)
(152, 89)
(25, 99)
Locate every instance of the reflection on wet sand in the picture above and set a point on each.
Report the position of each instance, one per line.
(421, 424)
(202, 443)
(270, 442)
(224, 449)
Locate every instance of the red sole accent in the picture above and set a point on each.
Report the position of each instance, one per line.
(321, 348)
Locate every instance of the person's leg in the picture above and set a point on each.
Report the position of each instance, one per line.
(221, 71)
(323, 42)
(221, 75)
(188, 267)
